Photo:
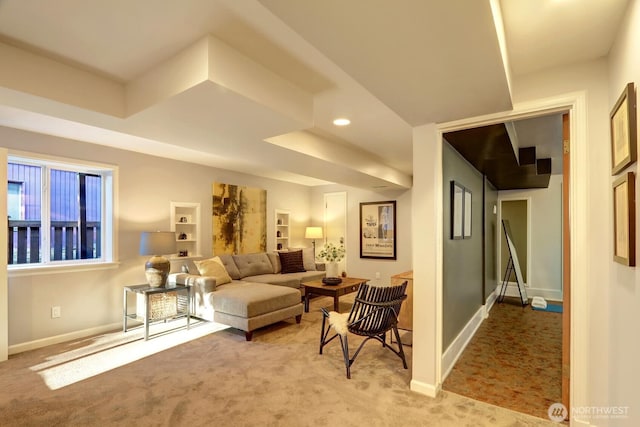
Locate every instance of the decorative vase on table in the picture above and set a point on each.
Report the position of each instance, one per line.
(332, 255)
(332, 269)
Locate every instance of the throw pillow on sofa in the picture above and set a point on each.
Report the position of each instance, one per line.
(213, 268)
(308, 258)
(291, 262)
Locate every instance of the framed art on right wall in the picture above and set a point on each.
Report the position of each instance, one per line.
(624, 220)
(623, 130)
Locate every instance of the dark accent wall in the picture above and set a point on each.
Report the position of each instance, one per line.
(463, 282)
(491, 233)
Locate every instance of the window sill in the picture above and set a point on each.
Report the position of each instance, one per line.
(31, 270)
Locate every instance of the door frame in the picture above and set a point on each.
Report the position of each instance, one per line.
(575, 105)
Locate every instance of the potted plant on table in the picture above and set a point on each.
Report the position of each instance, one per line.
(332, 254)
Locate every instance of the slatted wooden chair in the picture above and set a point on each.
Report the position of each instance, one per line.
(374, 313)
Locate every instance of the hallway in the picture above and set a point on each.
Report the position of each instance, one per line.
(513, 361)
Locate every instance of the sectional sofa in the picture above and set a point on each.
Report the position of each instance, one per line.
(257, 290)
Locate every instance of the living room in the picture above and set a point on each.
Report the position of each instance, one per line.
(606, 299)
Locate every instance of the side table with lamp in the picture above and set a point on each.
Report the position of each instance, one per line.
(156, 300)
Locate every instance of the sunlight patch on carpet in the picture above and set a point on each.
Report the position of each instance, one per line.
(110, 351)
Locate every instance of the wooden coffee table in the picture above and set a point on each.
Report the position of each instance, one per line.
(316, 287)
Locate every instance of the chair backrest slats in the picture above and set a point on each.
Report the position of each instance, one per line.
(376, 309)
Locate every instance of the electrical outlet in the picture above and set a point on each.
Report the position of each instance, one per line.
(56, 312)
(377, 274)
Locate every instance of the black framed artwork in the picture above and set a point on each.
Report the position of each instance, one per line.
(378, 230)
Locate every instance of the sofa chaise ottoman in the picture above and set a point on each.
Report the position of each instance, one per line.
(249, 306)
(251, 290)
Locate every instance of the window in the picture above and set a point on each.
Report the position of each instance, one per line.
(14, 201)
(59, 213)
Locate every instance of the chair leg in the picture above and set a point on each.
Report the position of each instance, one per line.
(344, 342)
(400, 349)
(322, 332)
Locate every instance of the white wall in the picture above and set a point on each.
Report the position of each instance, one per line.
(595, 291)
(427, 226)
(92, 300)
(622, 283)
(364, 267)
(544, 277)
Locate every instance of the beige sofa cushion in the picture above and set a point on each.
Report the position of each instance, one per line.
(275, 261)
(253, 264)
(230, 266)
(307, 276)
(213, 268)
(290, 280)
(245, 299)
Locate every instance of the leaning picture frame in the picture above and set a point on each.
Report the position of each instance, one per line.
(624, 220)
(623, 130)
(378, 230)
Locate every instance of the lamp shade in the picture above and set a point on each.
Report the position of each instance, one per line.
(158, 243)
(313, 233)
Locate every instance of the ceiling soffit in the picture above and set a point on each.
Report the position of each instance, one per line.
(208, 97)
(414, 58)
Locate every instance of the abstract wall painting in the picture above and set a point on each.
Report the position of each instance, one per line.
(239, 219)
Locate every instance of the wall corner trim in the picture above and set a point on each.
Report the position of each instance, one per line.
(430, 390)
(454, 351)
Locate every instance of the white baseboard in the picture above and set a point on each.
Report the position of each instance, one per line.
(488, 304)
(578, 422)
(32, 345)
(548, 294)
(424, 388)
(451, 354)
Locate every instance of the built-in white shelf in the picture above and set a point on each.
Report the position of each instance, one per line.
(185, 221)
(282, 229)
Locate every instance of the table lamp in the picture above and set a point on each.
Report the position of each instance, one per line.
(157, 243)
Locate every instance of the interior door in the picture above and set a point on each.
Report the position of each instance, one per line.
(335, 221)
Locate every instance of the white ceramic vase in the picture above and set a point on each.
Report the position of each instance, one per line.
(332, 269)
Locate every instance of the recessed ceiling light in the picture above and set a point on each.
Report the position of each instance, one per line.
(341, 122)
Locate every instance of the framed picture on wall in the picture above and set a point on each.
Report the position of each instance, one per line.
(378, 230)
(460, 211)
(624, 220)
(457, 212)
(623, 130)
(466, 229)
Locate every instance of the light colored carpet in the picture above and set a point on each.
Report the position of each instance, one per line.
(279, 379)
